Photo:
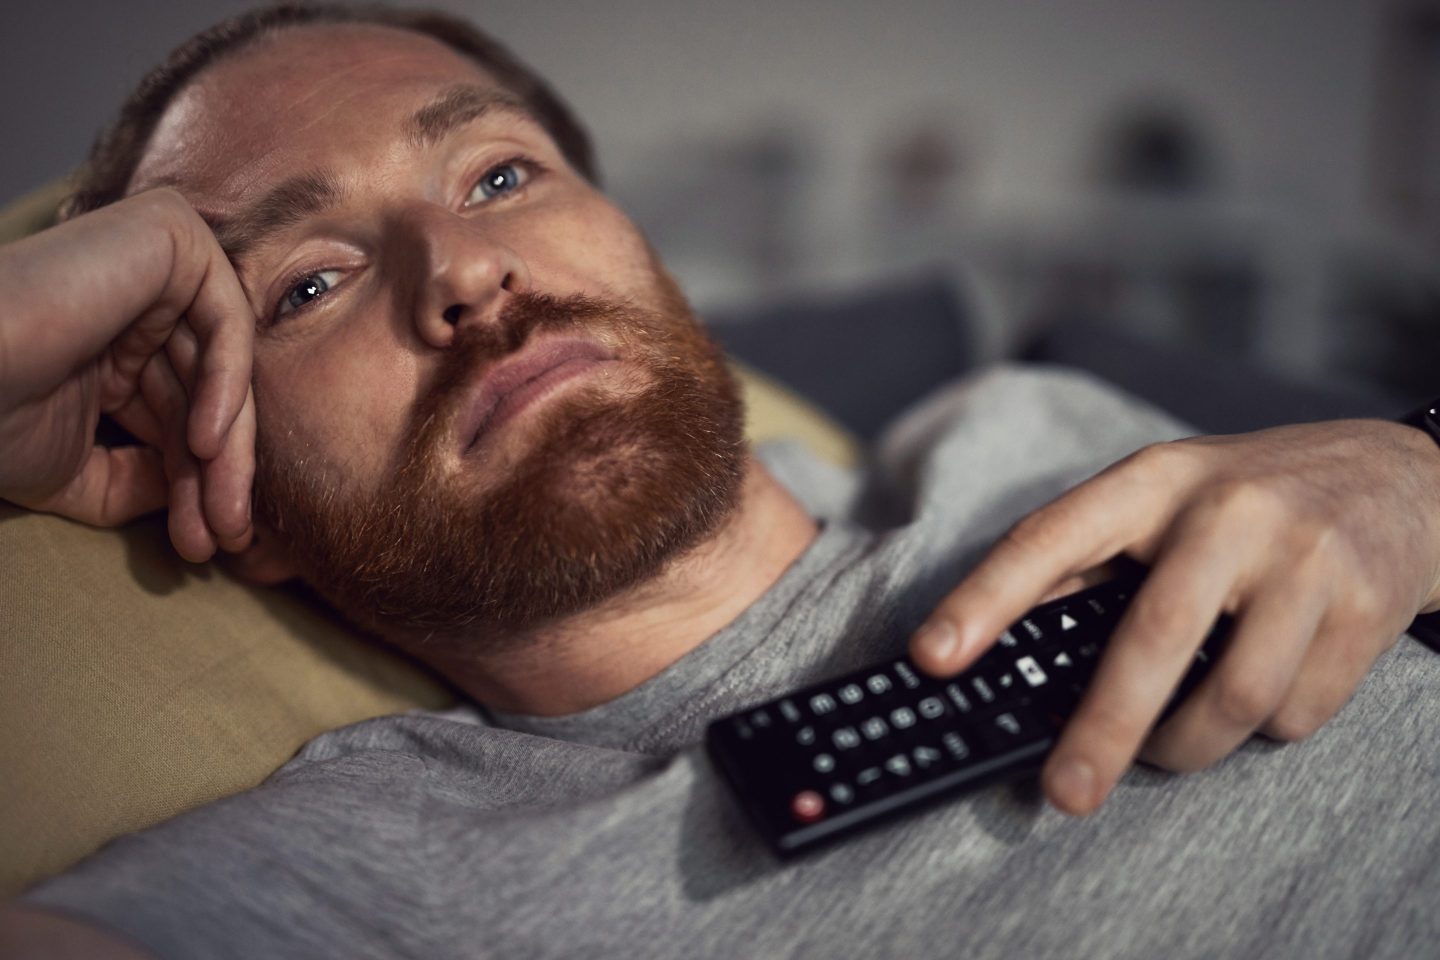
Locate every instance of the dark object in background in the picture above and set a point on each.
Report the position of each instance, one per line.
(1212, 391)
(865, 358)
(1155, 149)
(862, 358)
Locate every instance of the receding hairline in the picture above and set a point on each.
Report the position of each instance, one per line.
(502, 95)
(113, 165)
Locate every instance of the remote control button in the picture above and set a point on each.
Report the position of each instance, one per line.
(879, 684)
(743, 728)
(874, 728)
(957, 697)
(1004, 681)
(1009, 730)
(821, 704)
(956, 745)
(1032, 629)
(868, 776)
(807, 806)
(823, 763)
(805, 736)
(926, 757)
(932, 708)
(902, 718)
(845, 738)
(983, 688)
(1054, 624)
(789, 711)
(898, 765)
(851, 693)
(1031, 671)
(1007, 639)
(760, 718)
(841, 793)
(906, 675)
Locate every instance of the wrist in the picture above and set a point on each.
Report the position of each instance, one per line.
(1426, 419)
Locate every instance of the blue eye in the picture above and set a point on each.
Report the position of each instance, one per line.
(310, 288)
(500, 179)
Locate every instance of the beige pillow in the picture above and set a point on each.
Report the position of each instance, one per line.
(134, 686)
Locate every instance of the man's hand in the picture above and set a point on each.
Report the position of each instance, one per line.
(1322, 540)
(133, 311)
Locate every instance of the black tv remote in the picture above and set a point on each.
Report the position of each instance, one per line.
(862, 748)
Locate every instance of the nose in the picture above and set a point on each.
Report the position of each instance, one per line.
(465, 273)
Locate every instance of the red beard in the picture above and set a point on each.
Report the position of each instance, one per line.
(611, 490)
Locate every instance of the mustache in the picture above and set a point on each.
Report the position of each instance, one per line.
(478, 344)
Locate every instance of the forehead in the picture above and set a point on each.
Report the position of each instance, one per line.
(303, 98)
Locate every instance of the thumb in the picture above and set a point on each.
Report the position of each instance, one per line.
(116, 485)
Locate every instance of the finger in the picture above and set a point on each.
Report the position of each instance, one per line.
(1270, 639)
(1127, 503)
(1337, 662)
(224, 324)
(114, 486)
(228, 479)
(183, 349)
(1144, 661)
(1080, 581)
(139, 420)
(163, 392)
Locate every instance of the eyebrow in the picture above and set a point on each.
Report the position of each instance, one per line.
(456, 107)
(293, 200)
(285, 205)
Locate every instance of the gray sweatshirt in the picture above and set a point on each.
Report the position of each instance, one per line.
(468, 833)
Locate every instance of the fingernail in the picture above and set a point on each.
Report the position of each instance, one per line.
(938, 639)
(1074, 781)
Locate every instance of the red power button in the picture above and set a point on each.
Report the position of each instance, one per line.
(807, 806)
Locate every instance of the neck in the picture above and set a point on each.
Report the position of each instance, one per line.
(602, 653)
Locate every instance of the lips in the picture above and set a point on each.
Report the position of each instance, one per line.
(521, 378)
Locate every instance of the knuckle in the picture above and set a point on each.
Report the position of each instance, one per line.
(1160, 457)
(1154, 627)
(1244, 701)
(1245, 500)
(169, 201)
(1364, 603)
(1293, 723)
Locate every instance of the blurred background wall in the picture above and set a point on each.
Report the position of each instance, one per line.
(1261, 177)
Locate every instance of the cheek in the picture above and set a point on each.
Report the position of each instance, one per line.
(594, 249)
(335, 405)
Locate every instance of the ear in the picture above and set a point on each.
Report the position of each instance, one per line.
(266, 561)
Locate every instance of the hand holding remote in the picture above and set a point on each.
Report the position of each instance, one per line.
(1322, 540)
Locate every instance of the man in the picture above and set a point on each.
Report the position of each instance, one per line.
(485, 426)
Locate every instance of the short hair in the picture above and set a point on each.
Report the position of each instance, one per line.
(112, 161)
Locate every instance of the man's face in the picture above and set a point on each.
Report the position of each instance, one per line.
(417, 250)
